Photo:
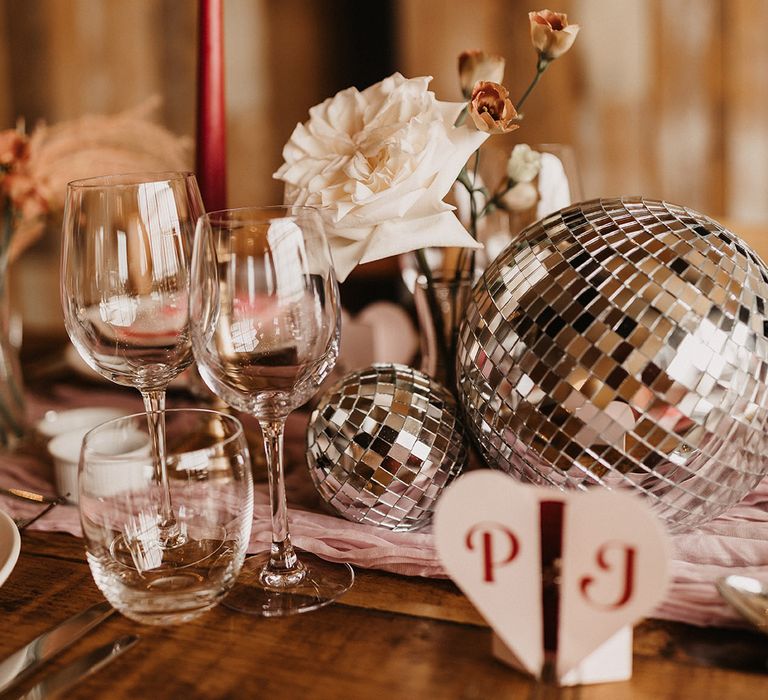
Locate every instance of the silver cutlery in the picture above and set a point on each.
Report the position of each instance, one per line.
(64, 678)
(748, 596)
(27, 659)
(21, 523)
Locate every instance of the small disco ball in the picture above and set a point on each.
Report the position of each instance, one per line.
(382, 445)
(622, 342)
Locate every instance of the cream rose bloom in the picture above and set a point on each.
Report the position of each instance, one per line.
(379, 163)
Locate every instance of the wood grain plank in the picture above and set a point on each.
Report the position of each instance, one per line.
(688, 109)
(745, 110)
(373, 590)
(615, 118)
(7, 116)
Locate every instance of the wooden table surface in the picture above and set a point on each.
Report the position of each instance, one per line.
(389, 637)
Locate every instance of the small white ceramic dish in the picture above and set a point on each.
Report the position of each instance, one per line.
(64, 431)
(10, 545)
(55, 423)
(65, 451)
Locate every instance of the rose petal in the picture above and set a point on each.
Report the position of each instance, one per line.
(392, 237)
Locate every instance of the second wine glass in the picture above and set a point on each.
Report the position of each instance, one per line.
(265, 321)
(125, 289)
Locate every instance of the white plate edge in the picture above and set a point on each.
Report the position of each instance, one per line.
(8, 565)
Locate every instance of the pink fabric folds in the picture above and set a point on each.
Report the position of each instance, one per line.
(734, 543)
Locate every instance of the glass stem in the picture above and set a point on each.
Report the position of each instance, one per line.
(154, 405)
(283, 561)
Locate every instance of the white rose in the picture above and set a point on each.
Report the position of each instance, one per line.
(380, 162)
(524, 163)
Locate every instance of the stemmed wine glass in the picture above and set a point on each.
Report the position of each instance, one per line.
(125, 291)
(265, 322)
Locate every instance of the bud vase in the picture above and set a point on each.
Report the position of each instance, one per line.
(440, 306)
(12, 405)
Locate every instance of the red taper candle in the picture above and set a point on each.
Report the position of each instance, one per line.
(211, 152)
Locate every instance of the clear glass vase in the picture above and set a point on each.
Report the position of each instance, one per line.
(440, 306)
(13, 410)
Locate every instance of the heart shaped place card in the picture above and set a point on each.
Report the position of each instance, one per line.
(561, 577)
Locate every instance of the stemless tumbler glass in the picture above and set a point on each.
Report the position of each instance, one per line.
(265, 321)
(125, 287)
(211, 486)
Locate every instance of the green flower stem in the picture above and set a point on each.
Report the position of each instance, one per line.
(473, 217)
(463, 178)
(472, 204)
(421, 259)
(541, 66)
(496, 202)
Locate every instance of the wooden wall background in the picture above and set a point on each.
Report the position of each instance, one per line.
(666, 98)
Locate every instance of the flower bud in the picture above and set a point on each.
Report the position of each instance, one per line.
(524, 163)
(491, 109)
(477, 65)
(551, 34)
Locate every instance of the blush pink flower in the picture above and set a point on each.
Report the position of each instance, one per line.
(19, 195)
(13, 147)
(475, 65)
(491, 109)
(551, 34)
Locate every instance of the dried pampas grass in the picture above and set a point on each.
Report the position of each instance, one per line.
(102, 145)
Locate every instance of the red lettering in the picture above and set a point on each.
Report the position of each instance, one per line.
(627, 585)
(486, 546)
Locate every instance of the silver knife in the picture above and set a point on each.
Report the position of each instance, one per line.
(57, 682)
(27, 659)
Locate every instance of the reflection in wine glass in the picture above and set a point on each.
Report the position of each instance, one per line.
(265, 322)
(125, 289)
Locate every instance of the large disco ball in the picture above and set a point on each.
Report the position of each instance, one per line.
(622, 342)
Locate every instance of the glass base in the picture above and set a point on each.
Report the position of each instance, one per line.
(322, 583)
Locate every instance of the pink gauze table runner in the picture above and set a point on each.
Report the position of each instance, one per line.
(734, 543)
